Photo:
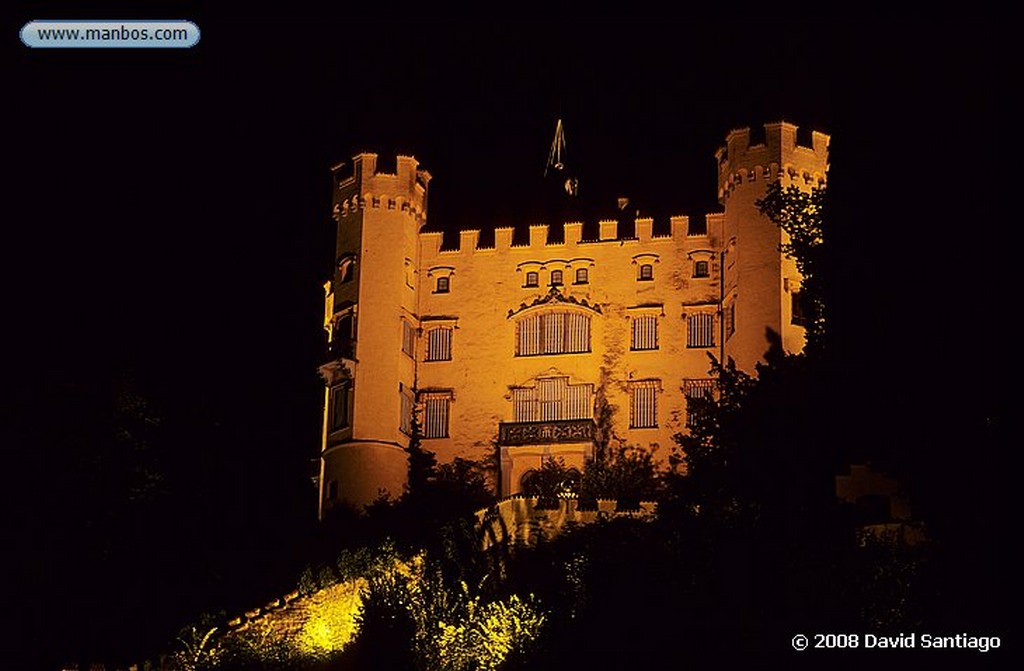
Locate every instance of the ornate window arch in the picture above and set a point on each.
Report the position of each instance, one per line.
(553, 324)
(557, 331)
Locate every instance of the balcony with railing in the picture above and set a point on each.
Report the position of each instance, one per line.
(552, 431)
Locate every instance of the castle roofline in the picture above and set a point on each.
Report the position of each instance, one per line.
(681, 229)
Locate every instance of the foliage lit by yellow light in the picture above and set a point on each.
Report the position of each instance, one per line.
(488, 633)
(332, 621)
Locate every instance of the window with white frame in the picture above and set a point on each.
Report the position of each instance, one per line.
(701, 390)
(552, 399)
(643, 404)
(436, 407)
(700, 329)
(565, 332)
(439, 344)
(645, 332)
(408, 338)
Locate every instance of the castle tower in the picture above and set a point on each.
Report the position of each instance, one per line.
(761, 287)
(371, 321)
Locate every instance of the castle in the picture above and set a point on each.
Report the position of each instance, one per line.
(536, 351)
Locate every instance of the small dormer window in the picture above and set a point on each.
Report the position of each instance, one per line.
(700, 269)
(443, 285)
(646, 273)
(532, 279)
(556, 278)
(582, 277)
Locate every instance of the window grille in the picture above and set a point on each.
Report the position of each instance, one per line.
(643, 404)
(700, 330)
(553, 333)
(408, 338)
(696, 389)
(645, 332)
(407, 409)
(439, 344)
(552, 399)
(435, 414)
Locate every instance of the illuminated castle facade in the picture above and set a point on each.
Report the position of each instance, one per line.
(540, 350)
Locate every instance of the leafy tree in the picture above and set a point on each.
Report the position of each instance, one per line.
(803, 216)
(553, 480)
(422, 462)
(710, 450)
(625, 473)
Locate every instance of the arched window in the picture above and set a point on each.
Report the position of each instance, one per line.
(346, 268)
(582, 277)
(646, 273)
(529, 484)
(556, 278)
(443, 285)
(700, 269)
(532, 279)
(566, 332)
(551, 482)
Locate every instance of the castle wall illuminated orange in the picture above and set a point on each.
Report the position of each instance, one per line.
(520, 348)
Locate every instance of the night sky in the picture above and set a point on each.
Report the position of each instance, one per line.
(168, 231)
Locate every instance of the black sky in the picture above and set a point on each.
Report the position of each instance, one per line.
(167, 213)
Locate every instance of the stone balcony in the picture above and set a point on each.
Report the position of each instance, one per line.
(539, 433)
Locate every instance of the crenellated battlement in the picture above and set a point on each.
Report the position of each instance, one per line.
(450, 324)
(539, 238)
(362, 186)
(777, 157)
